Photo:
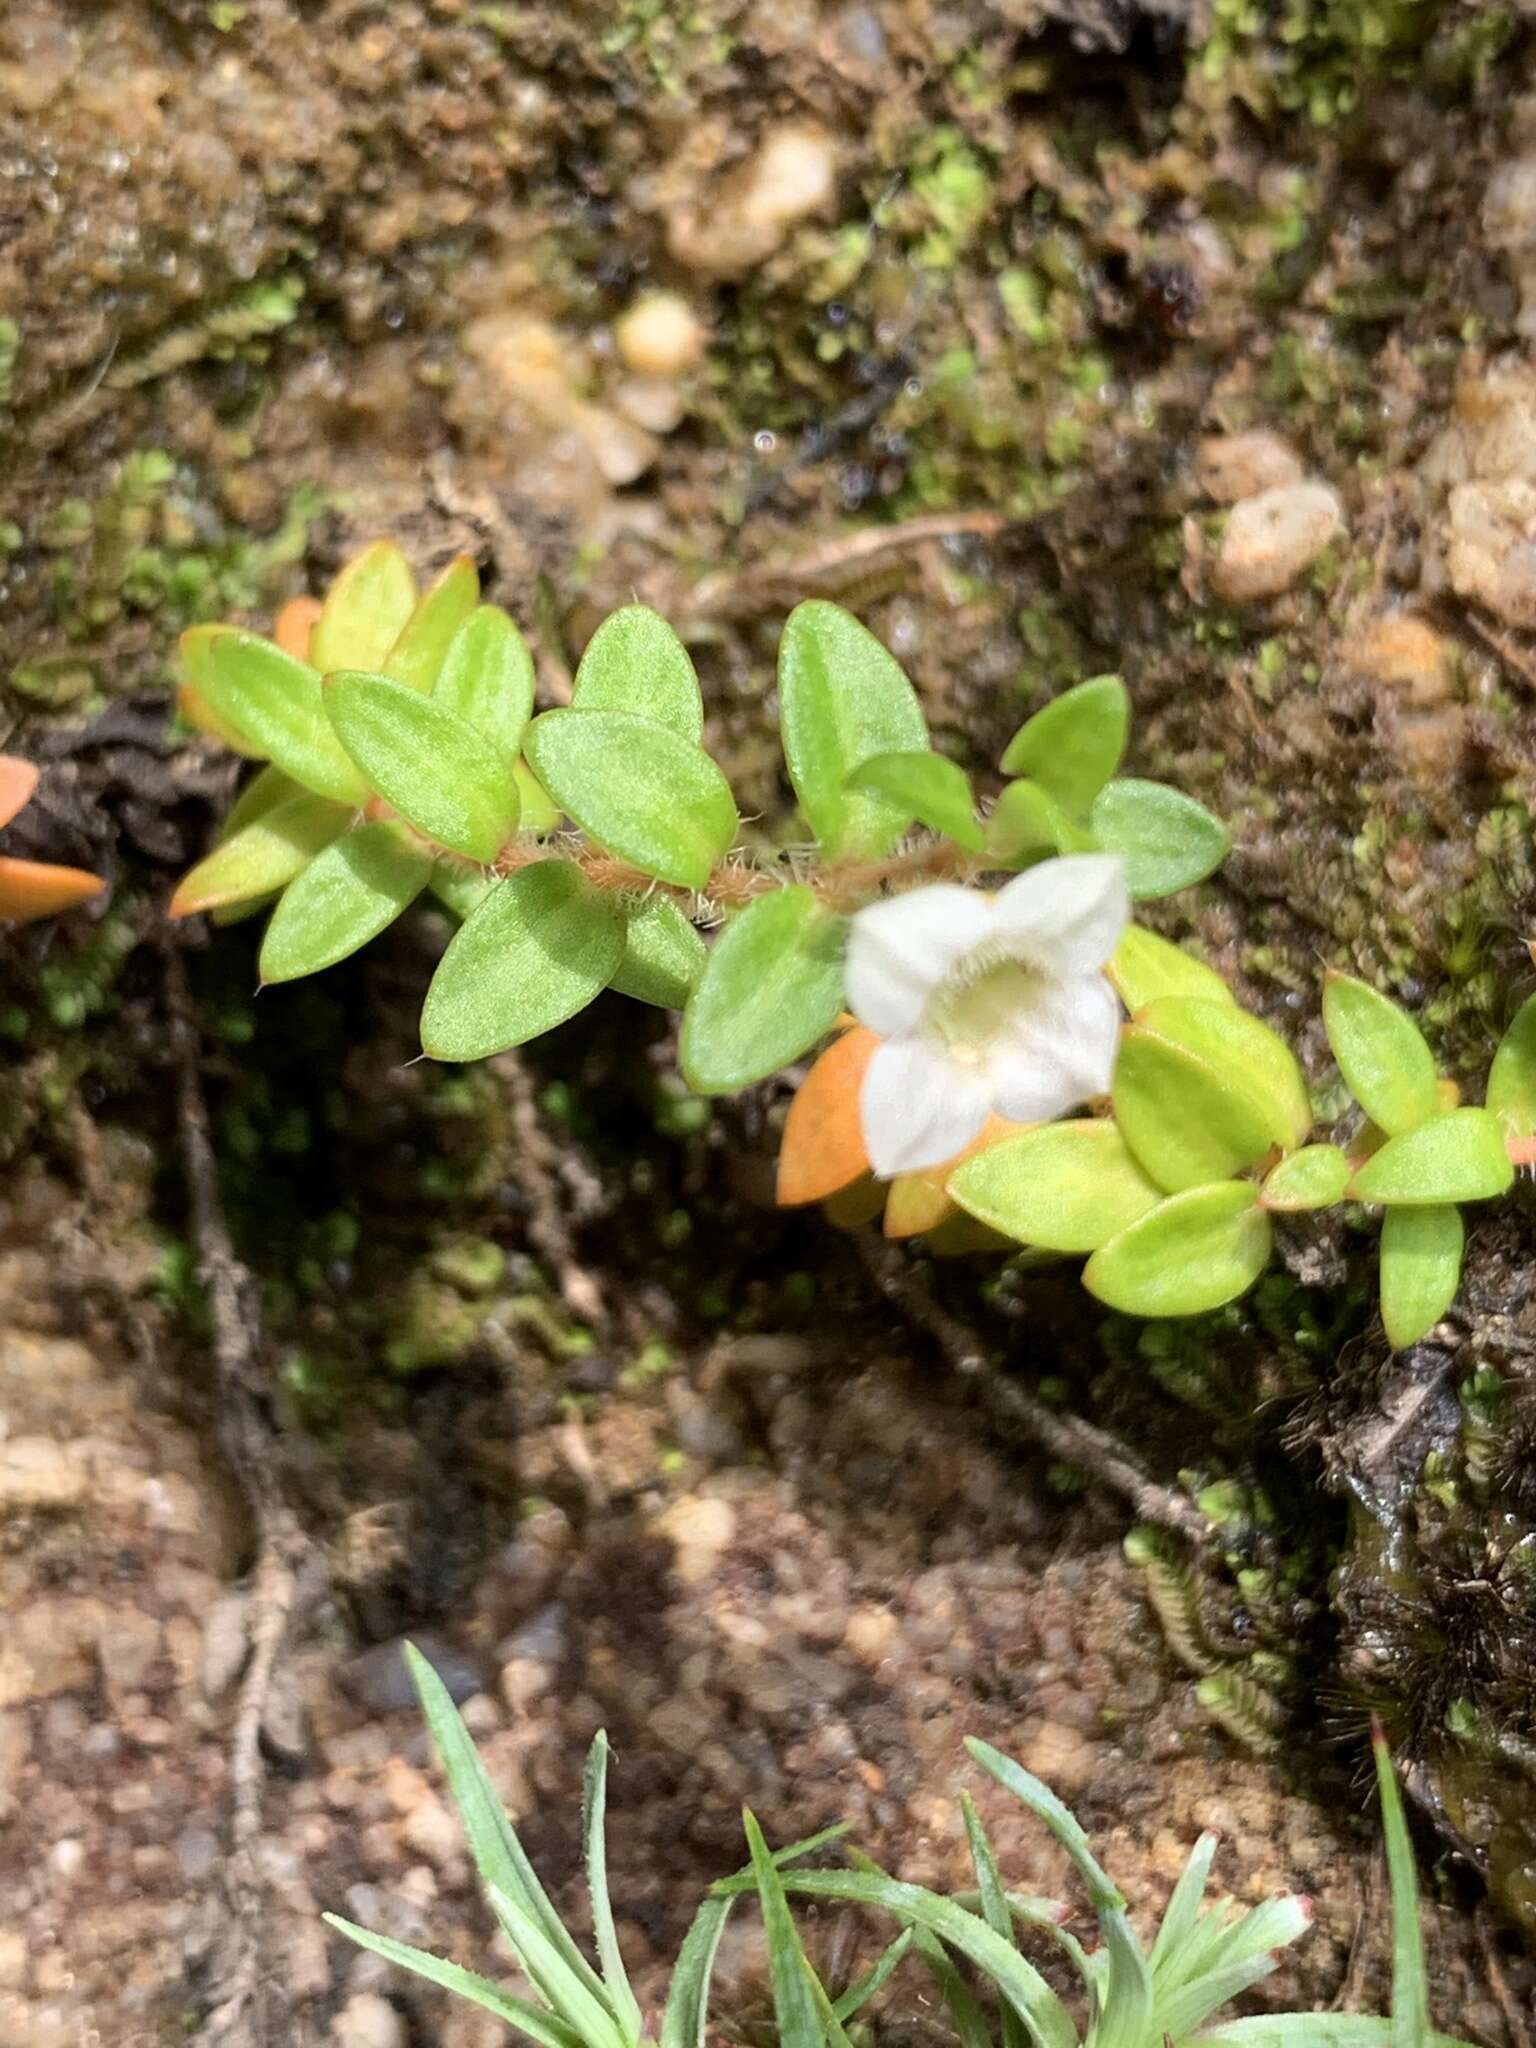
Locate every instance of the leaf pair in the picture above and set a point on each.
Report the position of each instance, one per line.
(1069, 800)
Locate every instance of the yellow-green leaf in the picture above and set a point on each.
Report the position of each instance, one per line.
(1457, 1157)
(663, 955)
(1191, 1253)
(1382, 1054)
(1420, 1269)
(487, 679)
(262, 856)
(1145, 966)
(417, 655)
(1165, 838)
(635, 663)
(276, 702)
(936, 791)
(346, 896)
(1512, 1078)
(432, 767)
(1027, 820)
(1313, 1178)
(1067, 1187)
(365, 610)
(773, 985)
(1245, 1052)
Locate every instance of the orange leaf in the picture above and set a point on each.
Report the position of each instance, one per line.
(294, 624)
(30, 888)
(18, 779)
(823, 1148)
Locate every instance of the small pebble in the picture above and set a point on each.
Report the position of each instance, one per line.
(660, 336)
(1273, 539)
(1229, 467)
(368, 2021)
(380, 1681)
(1492, 552)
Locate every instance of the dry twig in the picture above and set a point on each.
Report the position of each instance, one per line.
(538, 1163)
(1065, 1436)
(247, 2013)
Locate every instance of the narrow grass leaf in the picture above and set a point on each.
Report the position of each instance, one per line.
(994, 1902)
(543, 2027)
(874, 1979)
(794, 2005)
(573, 1994)
(594, 1805)
(1410, 1981)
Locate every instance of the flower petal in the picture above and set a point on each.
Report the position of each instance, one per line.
(823, 1147)
(1067, 913)
(1058, 1052)
(899, 950)
(917, 1107)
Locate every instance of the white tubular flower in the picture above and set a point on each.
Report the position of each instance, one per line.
(985, 1003)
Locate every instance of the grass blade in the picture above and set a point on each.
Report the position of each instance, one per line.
(552, 1976)
(1307, 2030)
(687, 2015)
(1183, 1911)
(994, 1904)
(539, 2025)
(1410, 1981)
(499, 1856)
(874, 1980)
(794, 2004)
(594, 1807)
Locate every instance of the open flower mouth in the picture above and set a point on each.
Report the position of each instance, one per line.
(986, 1004)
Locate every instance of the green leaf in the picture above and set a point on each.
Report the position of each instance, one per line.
(842, 700)
(935, 791)
(1074, 745)
(499, 1856)
(1410, 1978)
(1307, 2030)
(794, 2007)
(540, 2025)
(459, 889)
(537, 950)
(417, 655)
(663, 955)
(773, 986)
(874, 1979)
(1186, 1123)
(1381, 1052)
(346, 896)
(1049, 2022)
(1165, 838)
(635, 663)
(276, 701)
(594, 1805)
(994, 1903)
(365, 611)
(639, 789)
(539, 813)
(583, 2004)
(1145, 966)
(428, 764)
(1067, 1187)
(1512, 1077)
(1314, 1178)
(1026, 820)
(1420, 1269)
(1191, 1253)
(1457, 1157)
(685, 2022)
(487, 679)
(1240, 1047)
(261, 857)
(263, 793)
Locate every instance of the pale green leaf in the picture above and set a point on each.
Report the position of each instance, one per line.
(268, 788)
(1314, 1178)
(487, 679)
(417, 655)
(365, 611)
(539, 814)
(1027, 820)
(346, 896)
(461, 889)
(1512, 1078)
(639, 789)
(1457, 1157)
(1382, 1054)
(1191, 1253)
(1165, 838)
(1421, 1251)
(1244, 1052)
(773, 985)
(1186, 1120)
(538, 949)
(1145, 966)
(842, 700)
(426, 762)
(1074, 745)
(1066, 1187)
(276, 701)
(935, 791)
(635, 663)
(263, 856)
(1410, 1978)
(594, 1805)
(663, 955)
(794, 2006)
